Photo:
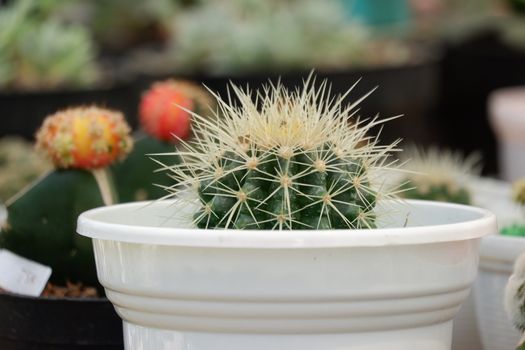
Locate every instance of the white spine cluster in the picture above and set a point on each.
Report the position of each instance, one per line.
(304, 129)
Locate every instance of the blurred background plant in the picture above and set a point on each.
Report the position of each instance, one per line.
(438, 175)
(517, 228)
(118, 25)
(241, 36)
(232, 36)
(63, 44)
(38, 51)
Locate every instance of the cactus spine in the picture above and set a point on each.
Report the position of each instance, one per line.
(289, 160)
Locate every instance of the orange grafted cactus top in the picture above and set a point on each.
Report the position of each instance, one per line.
(164, 109)
(85, 137)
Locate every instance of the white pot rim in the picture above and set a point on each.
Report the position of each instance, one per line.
(501, 247)
(94, 224)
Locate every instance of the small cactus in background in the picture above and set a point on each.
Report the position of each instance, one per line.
(518, 195)
(81, 142)
(515, 297)
(290, 160)
(41, 52)
(164, 109)
(438, 175)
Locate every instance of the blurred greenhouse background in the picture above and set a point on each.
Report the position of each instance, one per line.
(111, 84)
(434, 61)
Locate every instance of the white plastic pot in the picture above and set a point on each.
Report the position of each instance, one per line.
(498, 254)
(395, 288)
(494, 195)
(465, 333)
(507, 116)
(497, 260)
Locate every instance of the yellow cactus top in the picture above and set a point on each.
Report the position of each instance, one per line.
(85, 137)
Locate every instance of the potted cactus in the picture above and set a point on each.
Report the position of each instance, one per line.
(81, 142)
(277, 237)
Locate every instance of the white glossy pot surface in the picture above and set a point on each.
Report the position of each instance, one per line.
(183, 288)
(496, 196)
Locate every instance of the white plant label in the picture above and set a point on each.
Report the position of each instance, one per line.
(21, 275)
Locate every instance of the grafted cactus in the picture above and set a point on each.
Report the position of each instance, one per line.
(81, 142)
(289, 160)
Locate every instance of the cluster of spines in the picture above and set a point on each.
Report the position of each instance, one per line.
(439, 175)
(288, 160)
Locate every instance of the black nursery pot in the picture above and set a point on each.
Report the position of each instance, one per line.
(24, 111)
(45, 323)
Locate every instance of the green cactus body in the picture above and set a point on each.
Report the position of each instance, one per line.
(294, 189)
(42, 221)
(136, 173)
(296, 162)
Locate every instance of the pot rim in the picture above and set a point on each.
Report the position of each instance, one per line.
(502, 248)
(482, 224)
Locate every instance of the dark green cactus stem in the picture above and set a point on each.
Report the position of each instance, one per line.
(42, 221)
(137, 179)
(294, 189)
